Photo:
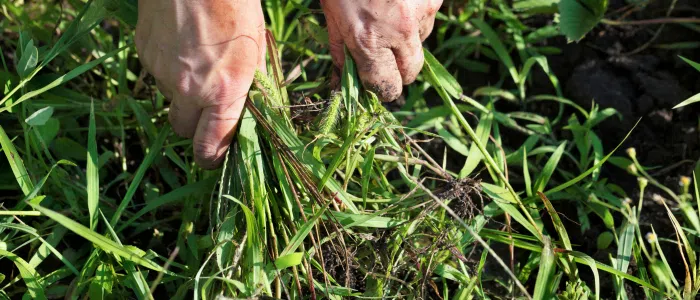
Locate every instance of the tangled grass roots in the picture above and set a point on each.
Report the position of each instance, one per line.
(462, 194)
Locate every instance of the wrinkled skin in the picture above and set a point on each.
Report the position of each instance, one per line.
(383, 36)
(204, 53)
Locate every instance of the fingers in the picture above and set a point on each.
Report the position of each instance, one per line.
(427, 20)
(214, 132)
(184, 115)
(379, 72)
(409, 59)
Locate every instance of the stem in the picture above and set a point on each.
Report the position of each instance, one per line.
(29, 213)
(487, 156)
(651, 21)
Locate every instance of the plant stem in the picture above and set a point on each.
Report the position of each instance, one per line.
(651, 21)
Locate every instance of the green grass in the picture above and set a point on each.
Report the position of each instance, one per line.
(338, 198)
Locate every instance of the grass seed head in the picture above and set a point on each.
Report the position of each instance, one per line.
(643, 182)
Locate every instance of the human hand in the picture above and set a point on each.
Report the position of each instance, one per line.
(203, 55)
(384, 37)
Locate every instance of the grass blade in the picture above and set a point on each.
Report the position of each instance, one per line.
(63, 79)
(545, 276)
(153, 151)
(99, 240)
(548, 170)
(30, 276)
(17, 165)
(93, 177)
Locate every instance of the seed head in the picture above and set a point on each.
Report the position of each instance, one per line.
(651, 237)
(642, 182)
(684, 181)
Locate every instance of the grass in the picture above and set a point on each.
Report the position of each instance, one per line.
(323, 194)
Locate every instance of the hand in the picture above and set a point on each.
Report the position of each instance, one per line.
(203, 55)
(383, 36)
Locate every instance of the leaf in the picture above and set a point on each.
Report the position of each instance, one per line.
(69, 149)
(253, 243)
(548, 169)
(497, 46)
(16, 164)
(153, 151)
(40, 117)
(29, 59)
(289, 260)
(578, 17)
(93, 177)
(624, 247)
(474, 157)
(543, 285)
(604, 240)
(535, 6)
(49, 130)
(99, 240)
(692, 63)
(29, 275)
(101, 285)
(505, 201)
(688, 101)
(61, 80)
(595, 167)
(451, 140)
(449, 83)
(582, 257)
(303, 232)
(367, 174)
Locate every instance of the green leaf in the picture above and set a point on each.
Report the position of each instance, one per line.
(449, 83)
(69, 149)
(582, 257)
(578, 17)
(624, 247)
(548, 169)
(16, 164)
(535, 6)
(545, 276)
(303, 232)
(29, 275)
(497, 46)
(367, 174)
(506, 202)
(688, 101)
(153, 151)
(604, 240)
(29, 59)
(595, 167)
(101, 285)
(289, 260)
(92, 174)
(474, 157)
(99, 240)
(63, 79)
(49, 130)
(692, 63)
(40, 117)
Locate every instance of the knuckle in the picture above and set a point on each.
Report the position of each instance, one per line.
(206, 154)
